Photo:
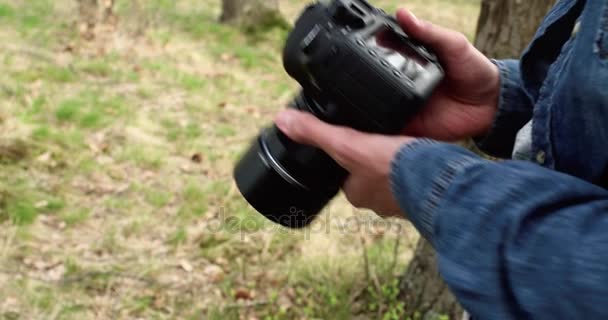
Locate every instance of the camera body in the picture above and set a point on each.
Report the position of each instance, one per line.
(360, 67)
(357, 68)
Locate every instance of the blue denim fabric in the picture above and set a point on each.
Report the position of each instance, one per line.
(522, 239)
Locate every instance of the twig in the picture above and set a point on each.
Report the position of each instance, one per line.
(365, 259)
(9, 241)
(33, 52)
(79, 277)
(246, 305)
(395, 254)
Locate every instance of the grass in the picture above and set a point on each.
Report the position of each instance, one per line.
(116, 153)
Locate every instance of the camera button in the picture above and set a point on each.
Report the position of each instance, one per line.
(397, 74)
(373, 53)
(361, 42)
(385, 63)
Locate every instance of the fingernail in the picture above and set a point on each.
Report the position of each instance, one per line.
(413, 16)
(284, 121)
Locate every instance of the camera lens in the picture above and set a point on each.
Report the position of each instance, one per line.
(287, 182)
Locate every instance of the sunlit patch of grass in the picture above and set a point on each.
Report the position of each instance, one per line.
(21, 200)
(177, 132)
(321, 290)
(89, 110)
(76, 216)
(157, 197)
(110, 241)
(225, 130)
(97, 67)
(54, 204)
(66, 138)
(191, 82)
(18, 202)
(104, 67)
(42, 297)
(68, 110)
(21, 211)
(178, 237)
(119, 203)
(6, 10)
(143, 156)
(51, 73)
(194, 199)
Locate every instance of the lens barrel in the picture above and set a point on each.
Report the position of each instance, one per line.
(287, 182)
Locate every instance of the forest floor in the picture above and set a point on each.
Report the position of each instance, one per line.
(116, 196)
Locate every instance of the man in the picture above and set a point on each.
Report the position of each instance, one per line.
(515, 239)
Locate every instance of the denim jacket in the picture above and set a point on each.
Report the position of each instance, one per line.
(526, 239)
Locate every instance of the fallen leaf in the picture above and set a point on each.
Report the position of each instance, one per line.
(45, 157)
(41, 204)
(56, 273)
(243, 294)
(226, 57)
(186, 266)
(214, 272)
(197, 158)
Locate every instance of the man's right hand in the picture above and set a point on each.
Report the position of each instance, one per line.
(466, 102)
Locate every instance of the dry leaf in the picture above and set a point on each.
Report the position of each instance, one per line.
(45, 157)
(214, 272)
(186, 266)
(243, 294)
(226, 57)
(56, 273)
(41, 204)
(197, 158)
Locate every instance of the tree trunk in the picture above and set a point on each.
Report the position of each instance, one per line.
(504, 29)
(89, 15)
(250, 13)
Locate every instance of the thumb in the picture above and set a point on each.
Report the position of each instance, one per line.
(338, 142)
(447, 44)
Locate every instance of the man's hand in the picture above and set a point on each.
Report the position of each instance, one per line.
(465, 104)
(367, 157)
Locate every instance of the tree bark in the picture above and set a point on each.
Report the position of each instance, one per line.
(249, 13)
(504, 29)
(89, 15)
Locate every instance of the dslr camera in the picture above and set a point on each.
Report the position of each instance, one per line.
(357, 68)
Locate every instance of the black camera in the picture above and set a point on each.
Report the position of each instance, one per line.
(357, 68)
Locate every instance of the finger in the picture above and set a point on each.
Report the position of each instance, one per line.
(445, 42)
(343, 144)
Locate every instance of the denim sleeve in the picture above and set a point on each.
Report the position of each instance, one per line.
(514, 111)
(514, 240)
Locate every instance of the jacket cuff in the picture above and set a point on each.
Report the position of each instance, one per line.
(514, 111)
(421, 173)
